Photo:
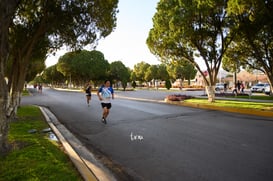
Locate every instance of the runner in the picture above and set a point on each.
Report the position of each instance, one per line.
(40, 88)
(88, 94)
(105, 93)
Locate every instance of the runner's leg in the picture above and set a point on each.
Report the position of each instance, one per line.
(105, 112)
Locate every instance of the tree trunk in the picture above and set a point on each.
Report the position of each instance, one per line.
(4, 121)
(16, 85)
(7, 11)
(211, 93)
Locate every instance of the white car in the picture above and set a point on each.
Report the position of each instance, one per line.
(219, 86)
(267, 90)
(259, 87)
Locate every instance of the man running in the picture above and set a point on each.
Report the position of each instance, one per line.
(105, 93)
(88, 94)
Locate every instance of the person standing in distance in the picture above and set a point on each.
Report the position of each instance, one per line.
(88, 94)
(105, 94)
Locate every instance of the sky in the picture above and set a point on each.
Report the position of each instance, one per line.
(127, 43)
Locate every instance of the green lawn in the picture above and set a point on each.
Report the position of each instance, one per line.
(260, 97)
(34, 156)
(233, 104)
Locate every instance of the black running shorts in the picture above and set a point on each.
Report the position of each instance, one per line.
(107, 105)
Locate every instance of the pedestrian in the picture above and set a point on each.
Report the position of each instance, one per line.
(242, 87)
(40, 88)
(225, 87)
(88, 90)
(234, 90)
(105, 94)
(238, 86)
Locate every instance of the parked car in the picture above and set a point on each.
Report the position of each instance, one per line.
(267, 90)
(219, 86)
(259, 87)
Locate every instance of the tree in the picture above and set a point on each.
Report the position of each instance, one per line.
(182, 70)
(233, 60)
(26, 25)
(156, 72)
(82, 66)
(119, 72)
(7, 11)
(255, 34)
(139, 71)
(162, 72)
(194, 31)
(151, 73)
(133, 78)
(53, 76)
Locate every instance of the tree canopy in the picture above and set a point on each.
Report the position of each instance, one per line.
(119, 73)
(41, 26)
(181, 70)
(139, 71)
(52, 76)
(83, 66)
(192, 30)
(254, 41)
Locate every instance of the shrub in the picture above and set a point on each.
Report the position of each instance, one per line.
(134, 84)
(168, 84)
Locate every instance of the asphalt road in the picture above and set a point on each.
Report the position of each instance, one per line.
(157, 141)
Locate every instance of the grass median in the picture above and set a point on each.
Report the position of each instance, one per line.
(233, 104)
(34, 156)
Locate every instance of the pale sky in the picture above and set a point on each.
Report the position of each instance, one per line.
(128, 41)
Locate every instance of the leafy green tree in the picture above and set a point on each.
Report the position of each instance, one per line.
(182, 70)
(65, 65)
(254, 40)
(140, 70)
(233, 60)
(134, 84)
(162, 72)
(34, 68)
(53, 76)
(151, 73)
(26, 26)
(120, 73)
(83, 66)
(157, 72)
(133, 78)
(192, 31)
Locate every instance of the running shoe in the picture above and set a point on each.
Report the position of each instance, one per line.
(103, 120)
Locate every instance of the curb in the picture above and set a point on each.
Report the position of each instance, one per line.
(254, 112)
(85, 162)
(140, 99)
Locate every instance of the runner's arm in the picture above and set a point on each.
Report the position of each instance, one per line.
(98, 93)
